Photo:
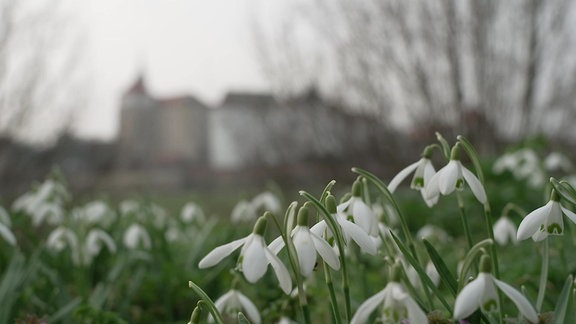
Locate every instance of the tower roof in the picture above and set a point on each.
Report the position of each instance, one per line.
(139, 87)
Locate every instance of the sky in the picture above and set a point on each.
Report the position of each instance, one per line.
(202, 48)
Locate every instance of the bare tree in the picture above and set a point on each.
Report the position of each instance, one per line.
(42, 83)
(440, 62)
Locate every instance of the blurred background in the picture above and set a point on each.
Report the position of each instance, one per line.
(175, 96)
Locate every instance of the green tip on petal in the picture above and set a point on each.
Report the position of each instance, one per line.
(455, 153)
(554, 196)
(303, 216)
(260, 226)
(330, 203)
(396, 272)
(357, 189)
(485, 264)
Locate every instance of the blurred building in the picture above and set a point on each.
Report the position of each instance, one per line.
(177, 139)
(161, 131)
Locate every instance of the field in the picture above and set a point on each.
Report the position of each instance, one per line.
(438, 247)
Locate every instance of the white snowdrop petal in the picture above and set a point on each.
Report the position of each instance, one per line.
(475, 185)
(276, 245)
(362, 215)
(251, 310)
(431, 189)
(415, 313)
(470, 297)
(359, 236)
(401, 176)
(281, 272)
(305, 250)
(447, 177)
(368, 306)
(254, 261)
(325, 251)
(571, 215)
(531, 223)
(219, 253)
(319, 228)
(521, 302)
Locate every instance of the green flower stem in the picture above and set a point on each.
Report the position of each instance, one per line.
(464, 220)
(335, 228)
(490, 229)
(543, 275)
(291, 250)
(209, 303)
(333, 300)
(421, 272)
(403, 223)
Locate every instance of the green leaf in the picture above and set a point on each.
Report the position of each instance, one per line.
(441, 267)
(209, 303)
(421, 271)
(444, 145)
(564, 301)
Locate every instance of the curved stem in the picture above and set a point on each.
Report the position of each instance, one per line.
(464, 220)
(333, 301)
(336, 231)
(294, 265)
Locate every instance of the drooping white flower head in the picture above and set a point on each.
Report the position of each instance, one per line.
(308, 245)
(95, 212)
(255, 256)
(423, 172)
(136, 236)
(192, 213)
(481, 293)
(544, 221)
(349, 230)
(452, 177)
(505, 231)
(266, 201)
(234, 302)
(243, 211)
(361, 213)
(397, 305)
(94, 242)
(63, 237)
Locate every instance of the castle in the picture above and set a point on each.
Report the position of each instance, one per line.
(246, 130)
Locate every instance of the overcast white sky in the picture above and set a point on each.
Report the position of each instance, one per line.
(203, 48)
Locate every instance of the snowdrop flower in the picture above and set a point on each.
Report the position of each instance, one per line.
(5, 224)
(95, 240)
(481, 293)
(544, 221)
(255, 257)
(266, 201)
(452, 177)
(505, 231)
(398, 306)
(348, 229)
(361, 213)
(556, 161)
(423, 172)
(524, 165)
(63, 237)
(136, 236)
(234, 302)
(129, 207)
(433, 233)
(308, 245)
(243, 212)
(191, 212)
